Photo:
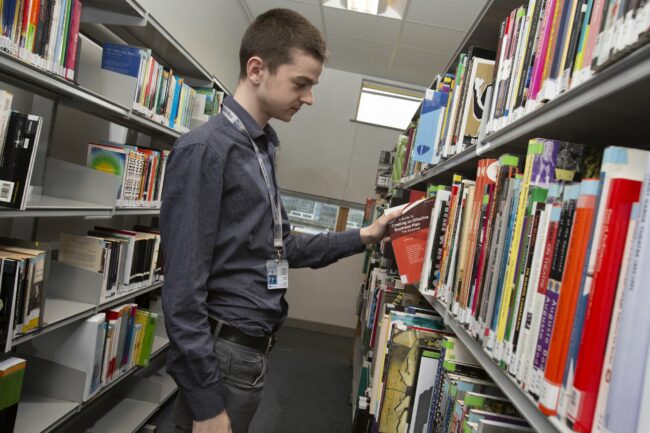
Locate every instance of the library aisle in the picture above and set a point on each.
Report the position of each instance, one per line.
(440, 208)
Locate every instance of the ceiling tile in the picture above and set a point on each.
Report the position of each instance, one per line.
(363, 50)
(309, 11)
(419, 77)
(421, 60)
(459, 14)
(430, 38)
(358, 25)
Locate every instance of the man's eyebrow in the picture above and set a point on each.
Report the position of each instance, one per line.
(305, 78)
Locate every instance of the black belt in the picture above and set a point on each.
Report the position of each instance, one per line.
(261, 344)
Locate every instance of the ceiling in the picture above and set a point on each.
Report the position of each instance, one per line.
(412, 50)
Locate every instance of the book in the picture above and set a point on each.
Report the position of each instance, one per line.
(408, 235)
(622, 194)
(12, 375)
(626, 387)
(17, 159)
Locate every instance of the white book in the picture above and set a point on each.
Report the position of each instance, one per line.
(626, 386)
(428, 251)
(533, 282)
(614, 327)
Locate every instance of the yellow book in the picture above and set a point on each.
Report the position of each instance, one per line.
(534, 148)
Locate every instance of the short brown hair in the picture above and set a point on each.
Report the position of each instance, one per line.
(274, 34)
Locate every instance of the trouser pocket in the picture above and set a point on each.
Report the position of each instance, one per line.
(240, 365)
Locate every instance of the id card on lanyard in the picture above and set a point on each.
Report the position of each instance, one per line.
(277, 268)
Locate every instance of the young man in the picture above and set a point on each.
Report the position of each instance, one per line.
(226, 237)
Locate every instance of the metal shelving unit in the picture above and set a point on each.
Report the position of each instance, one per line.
(526, 406)
(69, 311)
(38, 414)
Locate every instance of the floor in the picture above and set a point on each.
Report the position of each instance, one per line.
(307, 388)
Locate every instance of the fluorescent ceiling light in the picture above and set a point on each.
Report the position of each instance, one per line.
(365, 6)
(381, 8)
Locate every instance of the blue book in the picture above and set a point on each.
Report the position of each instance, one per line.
(176, 100)
(431, 114)
(123, 59)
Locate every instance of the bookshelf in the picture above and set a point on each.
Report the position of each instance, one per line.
(522, 401)
(37, 413)
(70, 195)
(608, 109)
(584, 114)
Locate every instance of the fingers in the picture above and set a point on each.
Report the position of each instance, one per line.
(393, 215)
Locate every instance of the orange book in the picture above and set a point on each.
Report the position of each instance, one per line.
(569, 293)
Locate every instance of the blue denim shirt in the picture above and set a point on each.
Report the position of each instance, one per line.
(217, 234)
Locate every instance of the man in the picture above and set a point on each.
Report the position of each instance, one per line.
(226, 237)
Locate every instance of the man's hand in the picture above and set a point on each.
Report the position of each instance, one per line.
(377, 231)
(218, 424)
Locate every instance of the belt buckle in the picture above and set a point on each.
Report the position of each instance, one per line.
(270, 343)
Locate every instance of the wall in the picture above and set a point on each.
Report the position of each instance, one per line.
(211, 31)
(323, 153)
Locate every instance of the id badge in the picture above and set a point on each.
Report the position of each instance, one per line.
(277, 274)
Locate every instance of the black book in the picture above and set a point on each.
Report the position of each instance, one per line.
(17, 159)
(7, 301)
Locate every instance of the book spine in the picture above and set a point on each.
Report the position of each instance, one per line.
(604, 387)
(626, 388)
(71, 57)
(569, 294)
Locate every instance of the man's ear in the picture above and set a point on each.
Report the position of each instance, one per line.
(255, 68)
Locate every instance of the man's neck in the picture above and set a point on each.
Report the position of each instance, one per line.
(248, 100)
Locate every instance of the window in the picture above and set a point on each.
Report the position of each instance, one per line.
(318, 215)
(387, 105)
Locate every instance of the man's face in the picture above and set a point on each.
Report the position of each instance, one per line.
(283, 93)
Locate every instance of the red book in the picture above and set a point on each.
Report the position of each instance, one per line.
(71, 57)
(623, 193)
(408, 235)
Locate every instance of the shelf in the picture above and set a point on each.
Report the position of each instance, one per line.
(159, 344)
(42, 414)
(121, 298)
(588, 113)
(20, 74)
(464, 163)
(526, 406)
(128, 415)
(165, 381)
(70, 311)
(137, 211)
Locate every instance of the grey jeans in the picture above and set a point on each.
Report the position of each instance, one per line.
(243, 371)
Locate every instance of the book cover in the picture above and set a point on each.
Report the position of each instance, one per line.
(408, 235)
(17, 159)
(433, 105)
(480, 79)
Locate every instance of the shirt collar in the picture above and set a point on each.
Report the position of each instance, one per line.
(250, 124)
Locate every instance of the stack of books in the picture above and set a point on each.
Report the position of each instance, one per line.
(141, 170)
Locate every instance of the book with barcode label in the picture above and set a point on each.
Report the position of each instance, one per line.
(17, 159)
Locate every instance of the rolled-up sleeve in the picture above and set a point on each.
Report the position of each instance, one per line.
(189, 219)
(317, 251)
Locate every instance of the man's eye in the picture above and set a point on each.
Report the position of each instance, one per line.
(300, 86)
